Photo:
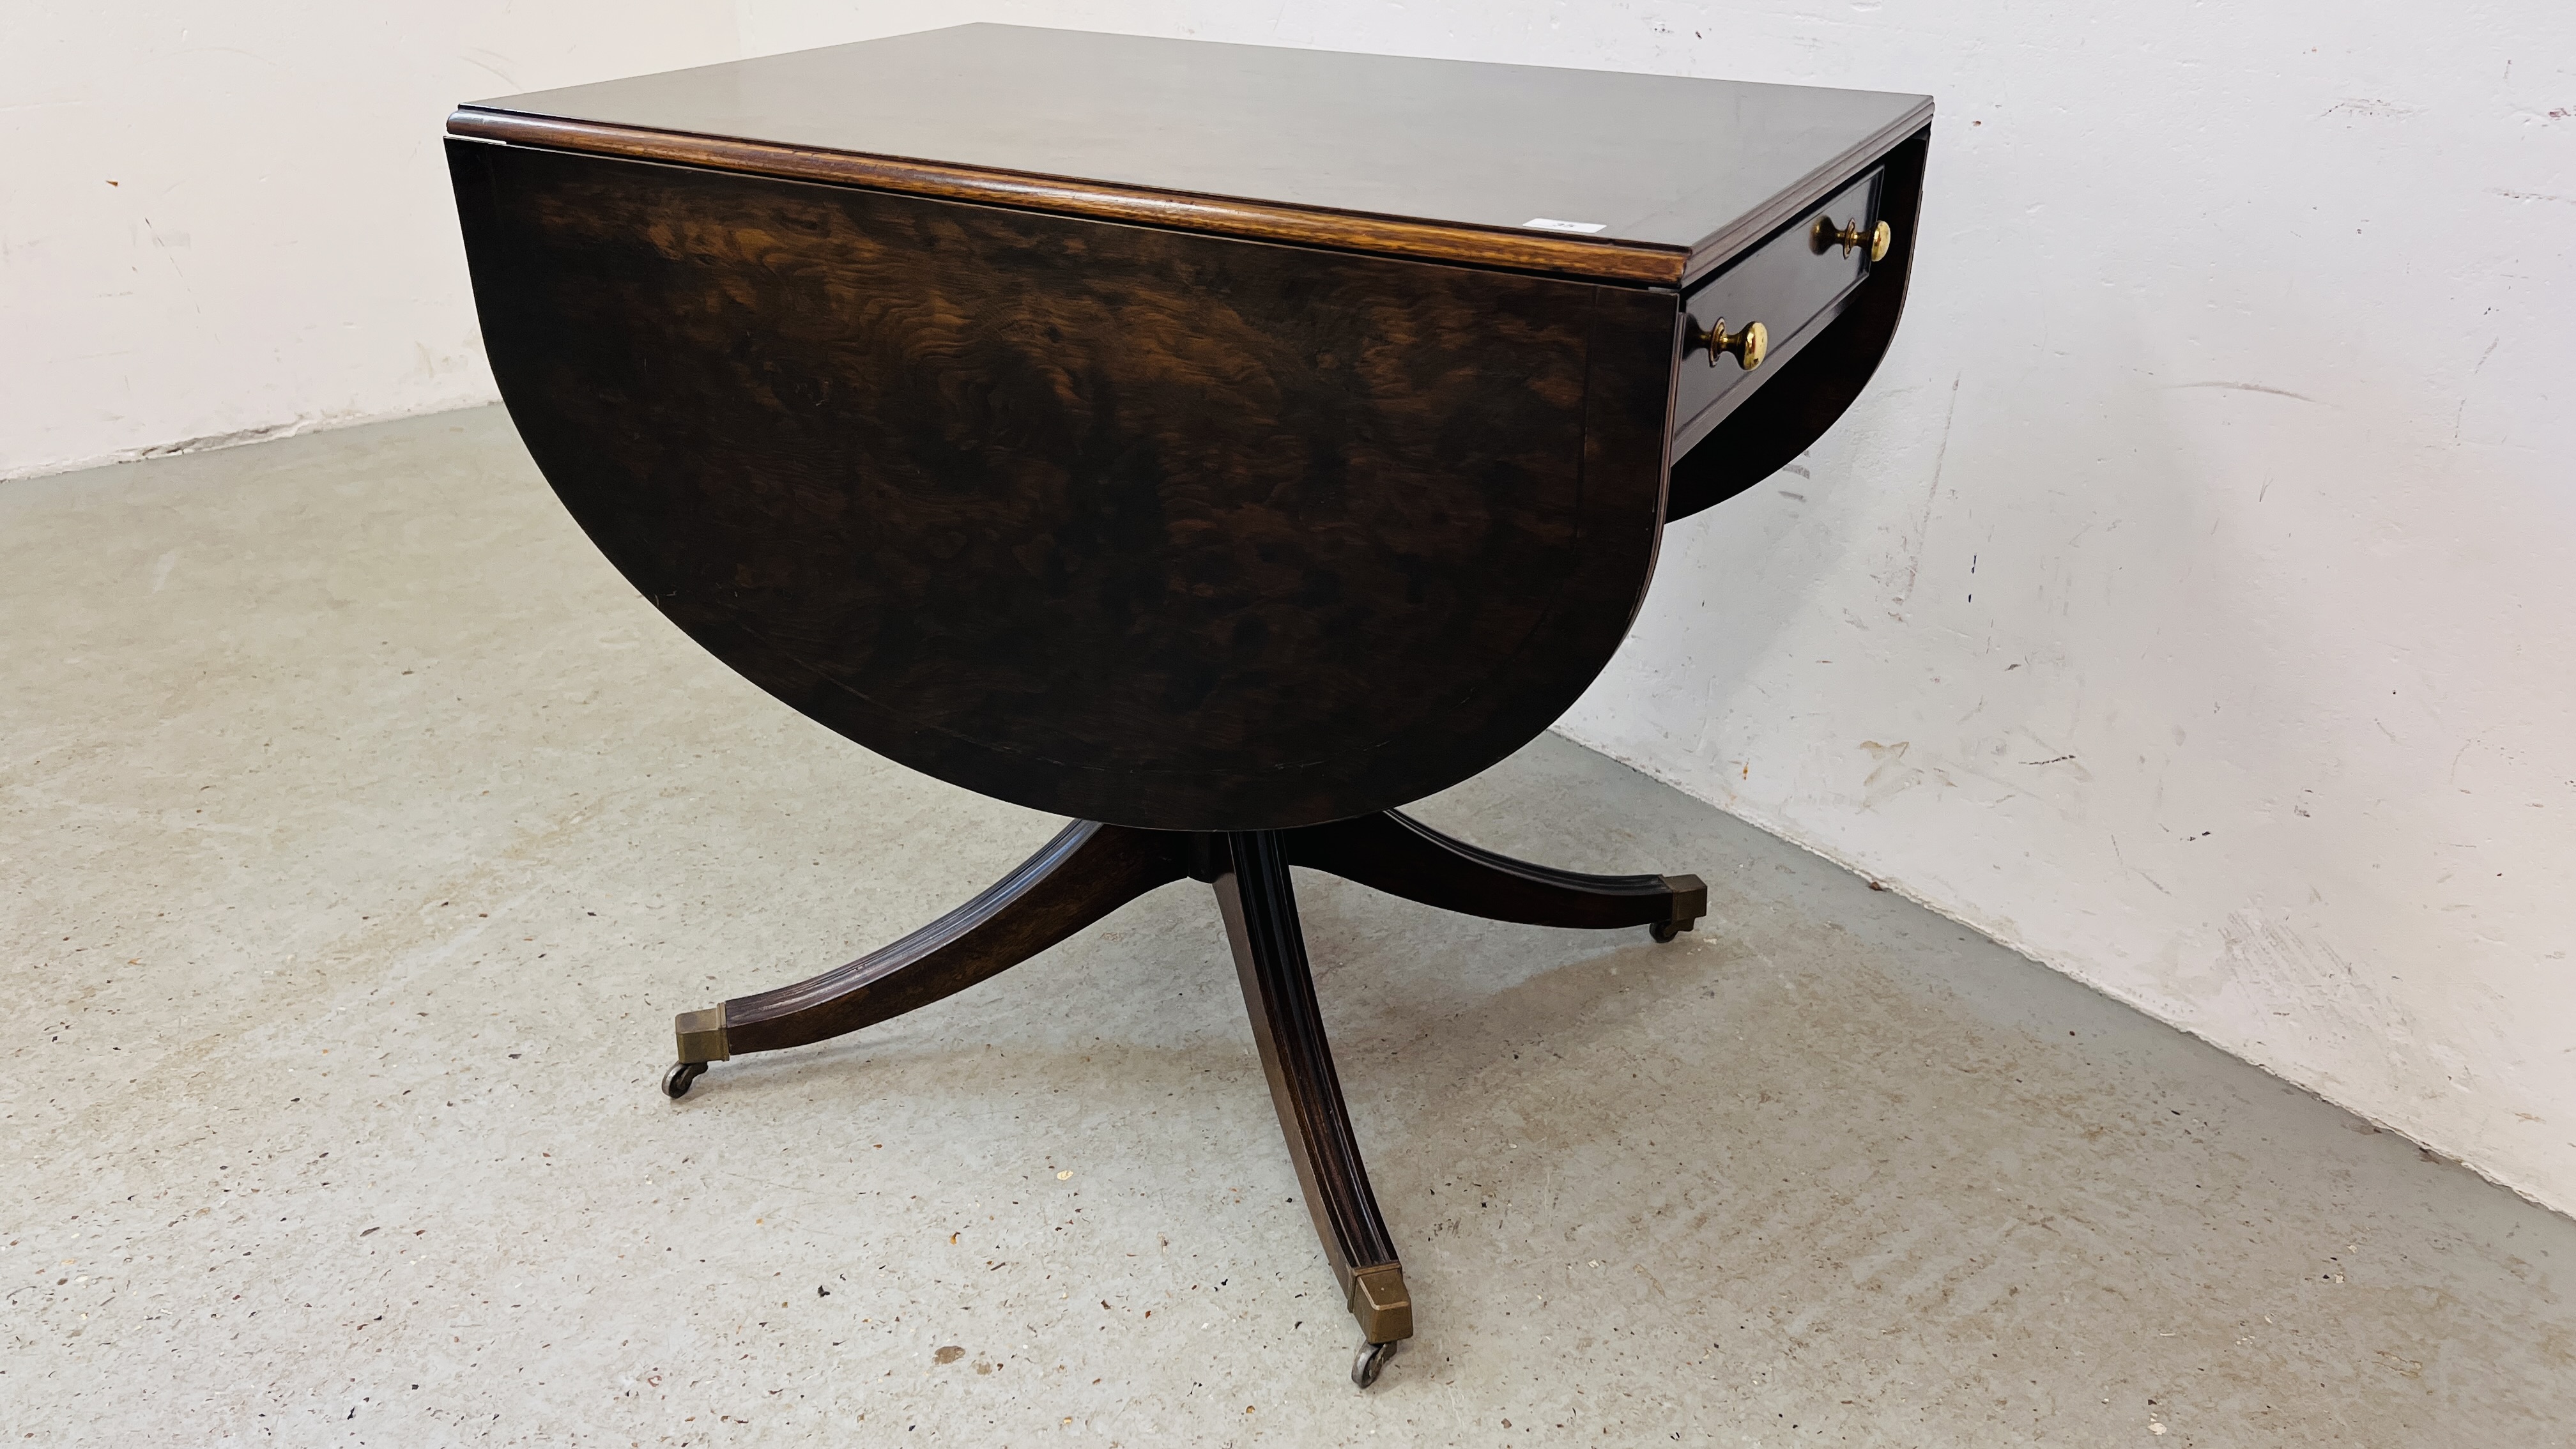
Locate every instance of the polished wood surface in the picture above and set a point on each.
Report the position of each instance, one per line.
(1083, 874)
(1791, 285)
(1090, 870)
(1811, 390)
(1143, 526)
(1414, 157)
(1395, 853)
(1532, 251)
(1260, 909)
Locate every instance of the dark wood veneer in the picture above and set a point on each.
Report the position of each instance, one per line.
(1524, 250)
(1090, 870)
(1133, 525)
(1083, 874)
(1260, 909)
(1367, 152)
(1812, 389)
(1395, 853)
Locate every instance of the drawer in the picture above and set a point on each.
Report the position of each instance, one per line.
(1792, 284)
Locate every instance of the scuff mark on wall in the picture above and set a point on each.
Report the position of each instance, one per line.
(1922, 530)
(1888, 776)
(2249, 387)
(2372, 107)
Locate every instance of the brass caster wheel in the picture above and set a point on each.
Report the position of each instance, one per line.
(1666, 930)
(1371, 1362)
(675, 1082)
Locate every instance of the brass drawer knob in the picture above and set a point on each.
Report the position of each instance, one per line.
(1879, 237)
(1747, 345)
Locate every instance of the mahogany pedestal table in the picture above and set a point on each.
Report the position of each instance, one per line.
(1222, 446)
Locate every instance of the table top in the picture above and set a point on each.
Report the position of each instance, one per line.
(1637, 178)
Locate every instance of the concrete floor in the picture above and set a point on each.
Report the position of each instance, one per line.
(362, 832)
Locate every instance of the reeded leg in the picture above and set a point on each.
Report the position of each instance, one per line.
(1080, 876)
(1404, 857)
(1252, 889)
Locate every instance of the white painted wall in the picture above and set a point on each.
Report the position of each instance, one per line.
(233, 218)
(2188, 603)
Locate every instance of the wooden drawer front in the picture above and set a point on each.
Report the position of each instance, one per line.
(1793, 284)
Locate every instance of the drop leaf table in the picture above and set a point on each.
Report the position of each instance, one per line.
(1222, 446)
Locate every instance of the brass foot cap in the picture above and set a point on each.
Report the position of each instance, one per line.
(1690, 897)
(1379, 1302)
(702, 1035)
